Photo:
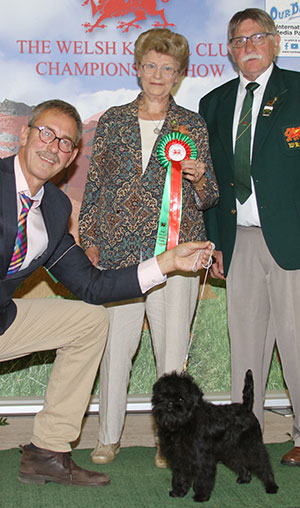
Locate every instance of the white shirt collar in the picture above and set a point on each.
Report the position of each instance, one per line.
(261, 80)
(22, 185)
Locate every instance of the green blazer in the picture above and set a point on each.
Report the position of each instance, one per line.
(275, 167)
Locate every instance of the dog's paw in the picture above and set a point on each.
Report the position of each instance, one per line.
(271, 488)
(200, 498)
(177, 493)
(244, 477)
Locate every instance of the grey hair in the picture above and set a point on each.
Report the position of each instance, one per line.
(258, 15)
(62, 107)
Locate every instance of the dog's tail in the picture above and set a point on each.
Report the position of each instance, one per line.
(248, 391)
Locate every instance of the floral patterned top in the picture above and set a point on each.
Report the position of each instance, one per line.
(121, 205)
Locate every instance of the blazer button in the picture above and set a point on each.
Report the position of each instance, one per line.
(233, 211)
(231, 184)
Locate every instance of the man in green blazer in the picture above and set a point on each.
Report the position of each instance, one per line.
(257, 238)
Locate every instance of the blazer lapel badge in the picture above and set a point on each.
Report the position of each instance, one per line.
(268, 108)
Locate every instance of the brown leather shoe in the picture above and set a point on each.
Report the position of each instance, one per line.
(42, 466)
(292, 458)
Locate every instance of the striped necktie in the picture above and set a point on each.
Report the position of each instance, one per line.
(20, 247)
(242, 147)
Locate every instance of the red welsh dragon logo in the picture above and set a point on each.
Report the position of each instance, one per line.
(292, 134)
(118, 8)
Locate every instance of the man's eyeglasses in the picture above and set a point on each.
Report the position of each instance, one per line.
(256, 39)
(48, 136)
(166, 70)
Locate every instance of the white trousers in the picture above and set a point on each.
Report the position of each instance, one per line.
(263, 307)
(170, 309)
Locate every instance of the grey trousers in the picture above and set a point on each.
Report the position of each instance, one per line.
(170, 309)
(263, 307)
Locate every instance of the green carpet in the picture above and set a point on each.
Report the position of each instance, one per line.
(136, 483)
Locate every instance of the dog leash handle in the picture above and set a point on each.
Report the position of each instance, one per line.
(195, 269)
(209, 263)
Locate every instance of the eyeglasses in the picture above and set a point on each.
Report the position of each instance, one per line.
(256, 39)
(166, 70)
(48, 136)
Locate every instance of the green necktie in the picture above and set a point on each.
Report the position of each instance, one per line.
(242, 147)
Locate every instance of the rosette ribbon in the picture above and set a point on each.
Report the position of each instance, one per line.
(172, 149)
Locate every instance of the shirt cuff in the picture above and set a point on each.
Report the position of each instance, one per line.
(149, 274)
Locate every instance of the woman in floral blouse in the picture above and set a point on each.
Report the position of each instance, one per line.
(120, 217)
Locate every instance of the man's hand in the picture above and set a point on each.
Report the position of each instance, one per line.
(217, 269)
(185, 257)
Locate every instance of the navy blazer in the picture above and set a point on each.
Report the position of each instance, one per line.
(275, 167)
(63, 257)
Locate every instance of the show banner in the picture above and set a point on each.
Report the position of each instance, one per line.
(81, 51)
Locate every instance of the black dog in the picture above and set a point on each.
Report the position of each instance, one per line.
(195, 435)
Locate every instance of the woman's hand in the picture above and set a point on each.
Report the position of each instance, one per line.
(93, 255)
(193, 170)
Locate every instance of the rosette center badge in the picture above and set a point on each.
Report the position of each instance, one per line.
(176, 147)
(177, 152)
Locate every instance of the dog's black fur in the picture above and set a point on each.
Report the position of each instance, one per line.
(195, 435)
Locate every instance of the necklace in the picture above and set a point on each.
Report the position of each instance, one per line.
(158, 126)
